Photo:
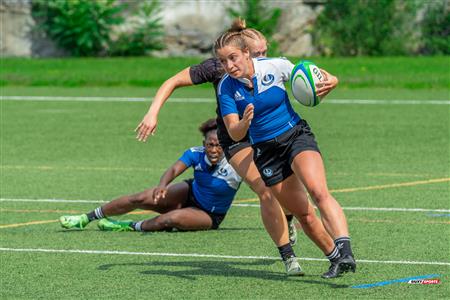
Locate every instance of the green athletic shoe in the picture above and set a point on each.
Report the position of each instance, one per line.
(293, 267)
(70, 222)
(113, 225)
(292, 232)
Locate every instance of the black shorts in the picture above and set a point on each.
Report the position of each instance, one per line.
(274, 157)
(192, 202)
(230, 147)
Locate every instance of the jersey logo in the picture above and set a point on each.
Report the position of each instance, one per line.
(267, 172)
(238, 96)
(268, 79)
(198, 168)
(222, 172)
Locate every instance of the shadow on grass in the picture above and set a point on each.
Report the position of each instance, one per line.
(191, 270)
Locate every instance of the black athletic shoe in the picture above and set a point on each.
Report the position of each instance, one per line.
(348, 263)
(341, 265)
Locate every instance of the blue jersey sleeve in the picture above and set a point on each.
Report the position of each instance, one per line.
(226, 100)
(188, 158)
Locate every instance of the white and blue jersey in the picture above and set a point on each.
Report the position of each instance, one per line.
(214, 187)
(273, 113)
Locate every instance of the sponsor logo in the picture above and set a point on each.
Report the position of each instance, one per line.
(198, 168)
(238, 96)
(340, 245)
(267, 172)
(268, 79)
(424, 281)
(316, 72)
(222, 172)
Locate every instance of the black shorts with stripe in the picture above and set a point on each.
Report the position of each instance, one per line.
(274, 157)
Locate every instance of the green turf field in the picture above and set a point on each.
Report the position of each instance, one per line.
(379, 155)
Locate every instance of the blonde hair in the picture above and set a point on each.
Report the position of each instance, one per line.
(238, 36)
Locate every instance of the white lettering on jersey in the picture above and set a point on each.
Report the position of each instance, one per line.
(238, 96)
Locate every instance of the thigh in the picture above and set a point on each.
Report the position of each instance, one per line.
(245, 166)
(242, 163)
(176, 197)
(308, 166)
(189, 218)
(291, 194)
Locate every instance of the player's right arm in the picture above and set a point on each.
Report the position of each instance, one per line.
(148, 124)
(189, 158)
(237, 128)
(169, 175)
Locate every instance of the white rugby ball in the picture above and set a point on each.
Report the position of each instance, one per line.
(304, 77)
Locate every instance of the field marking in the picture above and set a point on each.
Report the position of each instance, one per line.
(149, 213)
(146, 169)
(393, 185)
(373, 187)
(383, 283)
(212, 100)
(365, 220)
(238, 205)
(61, 211)
(27, 223)
(112, 252)
(78, 168)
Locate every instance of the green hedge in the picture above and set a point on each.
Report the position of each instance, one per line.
(387, 72)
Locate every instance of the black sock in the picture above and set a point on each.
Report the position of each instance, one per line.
(286, 251)
(333, 255)
(96, 214)
(343, 244)
(289, 217)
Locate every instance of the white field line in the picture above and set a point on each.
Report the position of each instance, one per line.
(109, 252)
(238, 205)
(212, 100)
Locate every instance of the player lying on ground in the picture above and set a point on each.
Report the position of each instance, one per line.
(196, 204)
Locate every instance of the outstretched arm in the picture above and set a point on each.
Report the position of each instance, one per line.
(169, 175)
(326, 86)
(148, 124)
(237, 129)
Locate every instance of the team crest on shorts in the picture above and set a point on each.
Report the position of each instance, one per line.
(267, 172)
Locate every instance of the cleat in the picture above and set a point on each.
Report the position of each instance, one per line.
(113, 225)
(341, 265)
(293, 267)
(348, 263)
(70, 222)
(292, 232)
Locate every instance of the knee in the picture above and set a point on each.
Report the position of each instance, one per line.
(320, 195)
(307, 220)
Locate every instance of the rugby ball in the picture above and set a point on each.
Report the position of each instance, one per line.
(304, 77)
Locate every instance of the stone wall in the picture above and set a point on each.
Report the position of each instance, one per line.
(15, 24)
(190, 27)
